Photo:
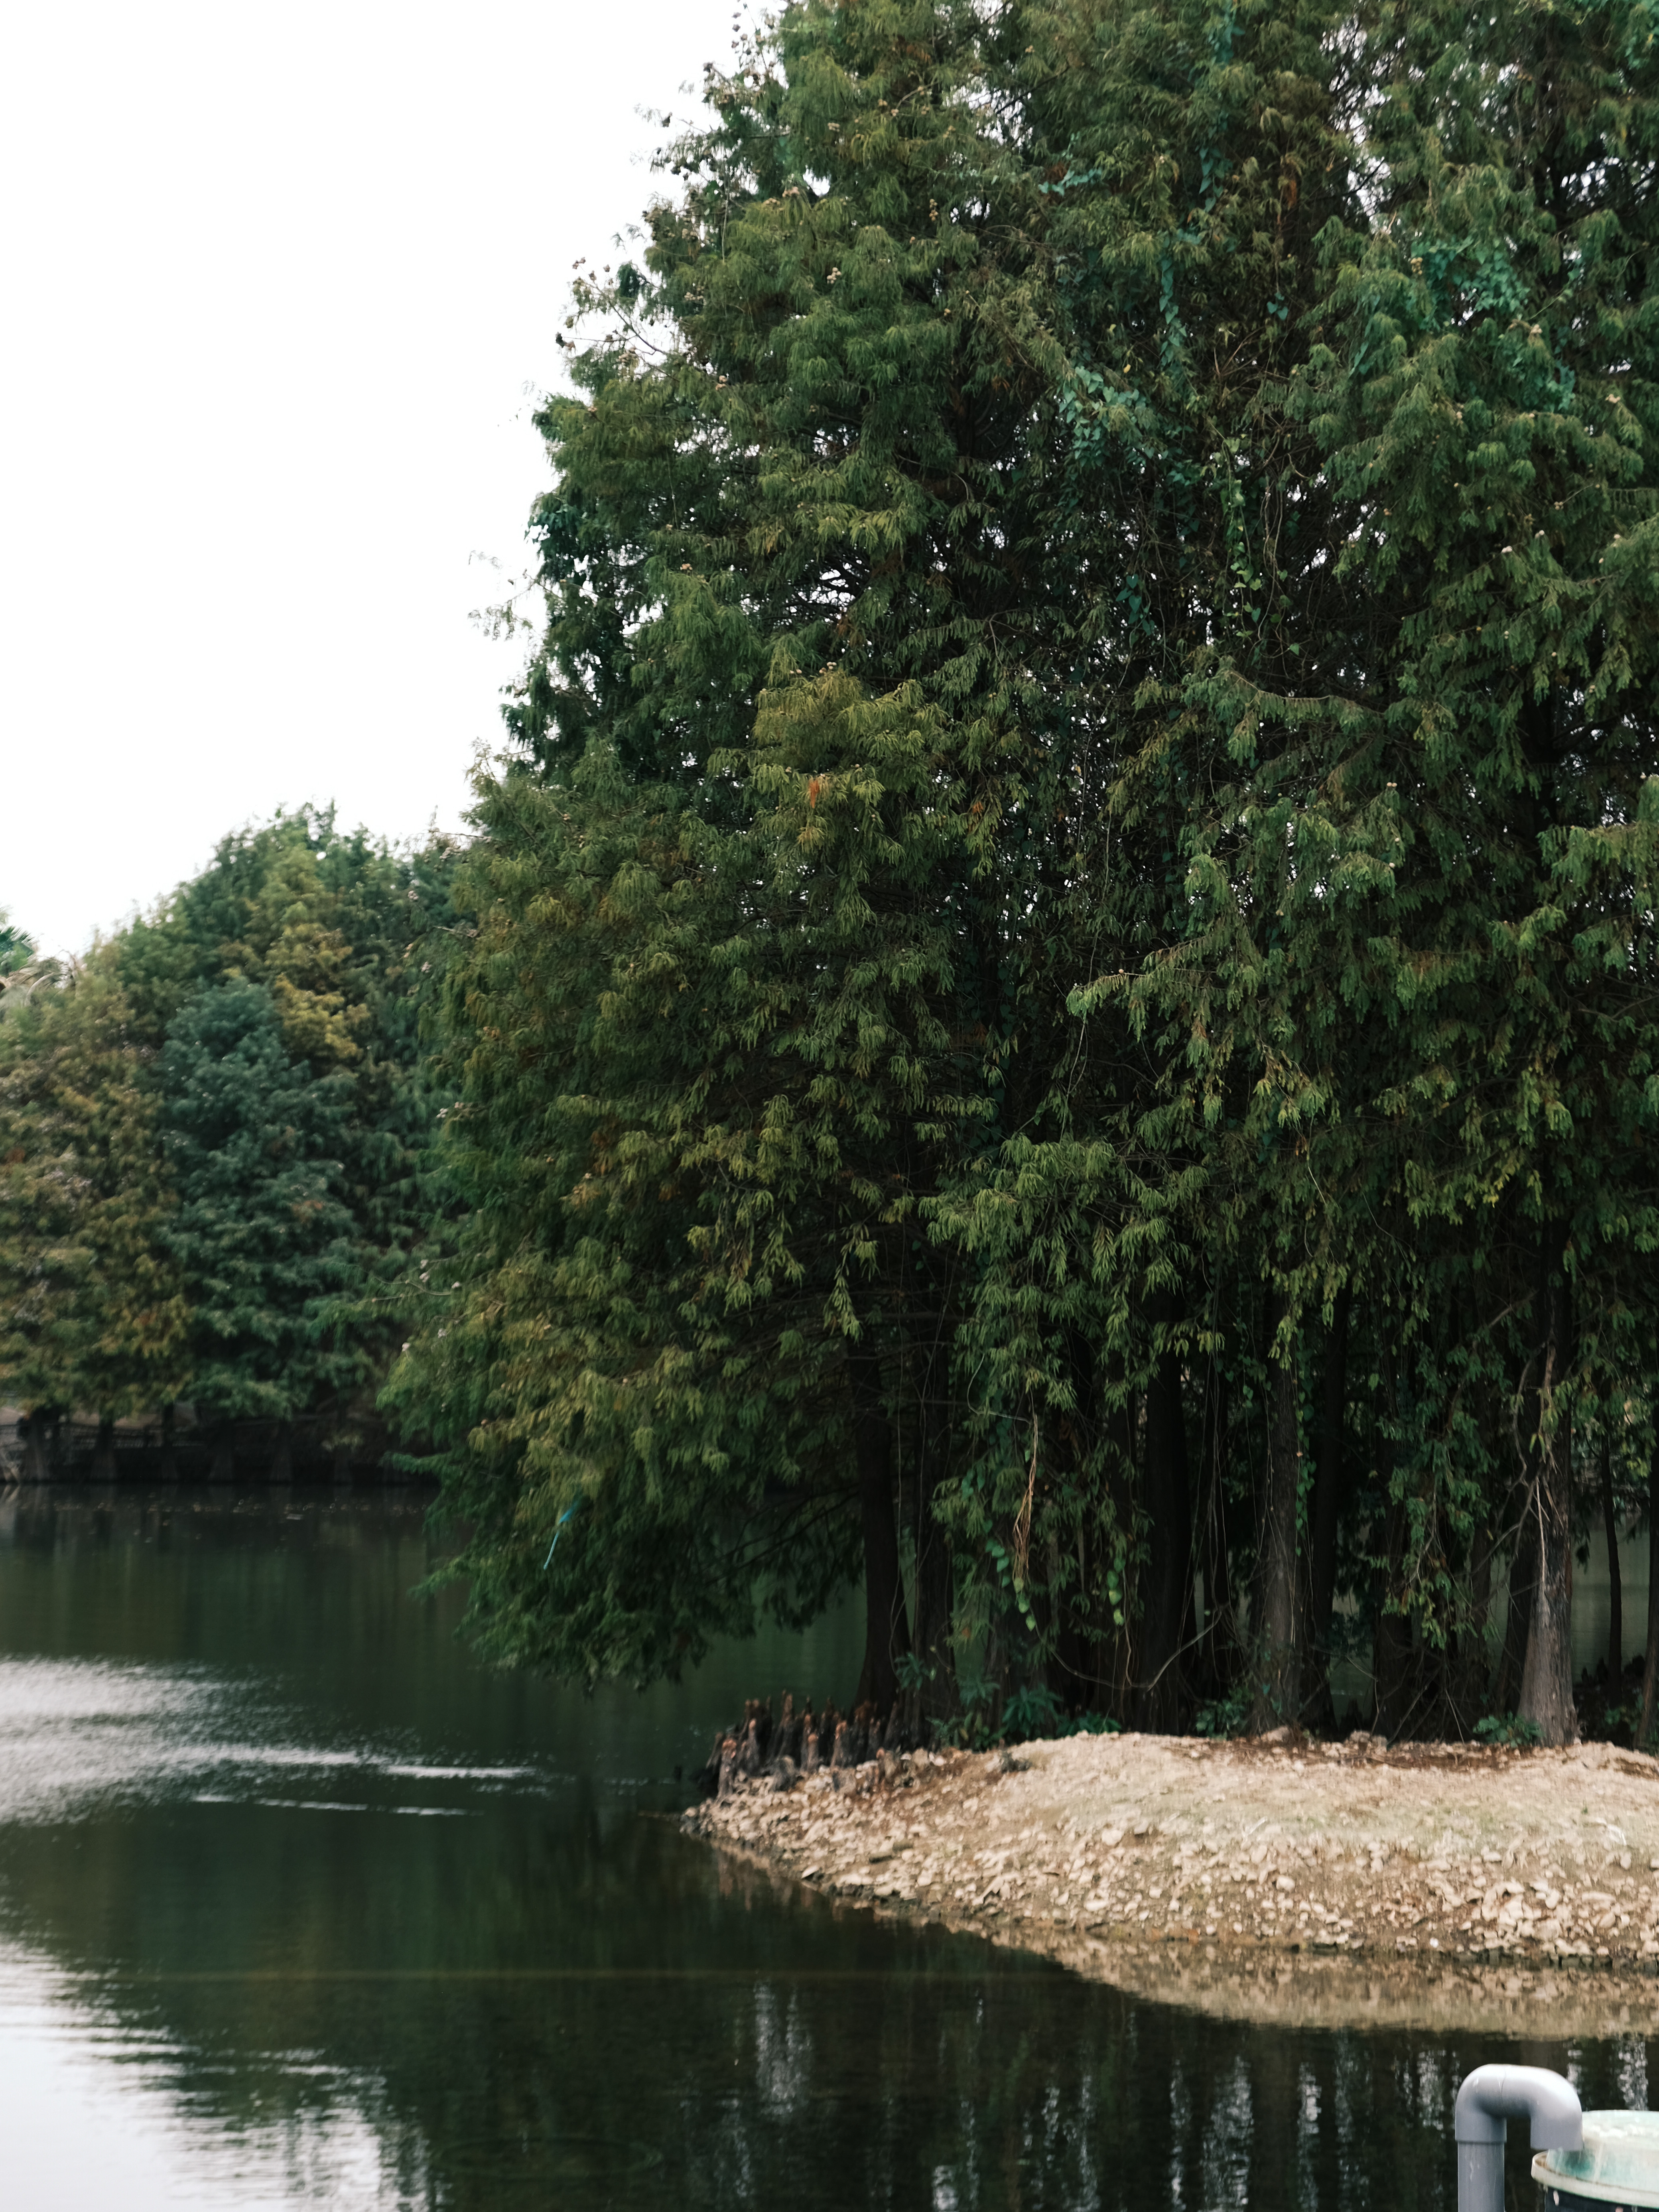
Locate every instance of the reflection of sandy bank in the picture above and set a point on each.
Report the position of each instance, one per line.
(1309, 1990)
(1429, 1886)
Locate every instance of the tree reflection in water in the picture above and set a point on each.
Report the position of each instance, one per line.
(373, 1929)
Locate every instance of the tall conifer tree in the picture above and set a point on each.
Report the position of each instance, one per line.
(1076, 877)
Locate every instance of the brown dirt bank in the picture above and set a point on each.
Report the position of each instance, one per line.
(1429, 1885)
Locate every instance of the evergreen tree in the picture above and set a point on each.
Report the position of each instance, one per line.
(919, 628)
(216, 1130)
(1412, 989)
(794, 839)
(92, 1313)
(260, 1233)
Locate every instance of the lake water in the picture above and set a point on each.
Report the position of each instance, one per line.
(299, 1906)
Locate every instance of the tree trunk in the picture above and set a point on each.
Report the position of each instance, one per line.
(1468, 1679)
(1170, 1565)
(885, 1633)
(1213, 1653)
(1615, 1581)
(1523, 1573)
(1391, 1659)
(1547, 1678)
(1330, 1494)
(1107, 1643)
(1277, 1671)
(1651, 1670)
(935, 1594)
(937, 1699)
(1072, 1670)
(1115, 1664)
(40, 1446)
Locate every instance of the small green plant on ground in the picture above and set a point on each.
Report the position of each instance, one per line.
(1228, 1715)
(1508, 1729)
(1027, 1714)
(1035, 1711)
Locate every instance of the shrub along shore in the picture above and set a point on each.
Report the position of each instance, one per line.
(1342, 1883)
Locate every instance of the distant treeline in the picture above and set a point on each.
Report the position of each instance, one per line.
(213, 1175)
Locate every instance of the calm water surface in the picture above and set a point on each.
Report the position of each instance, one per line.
(299, 1906)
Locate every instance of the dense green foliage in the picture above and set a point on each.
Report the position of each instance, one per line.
(211, 1142)
(90, 1310)
(1062, 1002)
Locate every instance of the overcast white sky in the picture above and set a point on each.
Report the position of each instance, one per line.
(274, 282)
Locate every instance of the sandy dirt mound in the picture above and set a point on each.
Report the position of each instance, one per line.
(1429, 1884)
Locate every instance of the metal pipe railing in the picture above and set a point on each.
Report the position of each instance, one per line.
(1489, 2099)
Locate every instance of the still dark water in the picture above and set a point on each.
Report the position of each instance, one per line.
(300, 1907)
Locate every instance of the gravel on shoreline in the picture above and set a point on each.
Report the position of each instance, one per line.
(1354, 1881)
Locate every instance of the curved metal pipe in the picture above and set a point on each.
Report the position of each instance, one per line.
(1491, 2097)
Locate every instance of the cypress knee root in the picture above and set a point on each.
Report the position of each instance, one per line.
(757, 1724)
(706, 1779)
(788, 1736)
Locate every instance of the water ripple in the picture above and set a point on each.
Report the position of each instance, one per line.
(74, 1733)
